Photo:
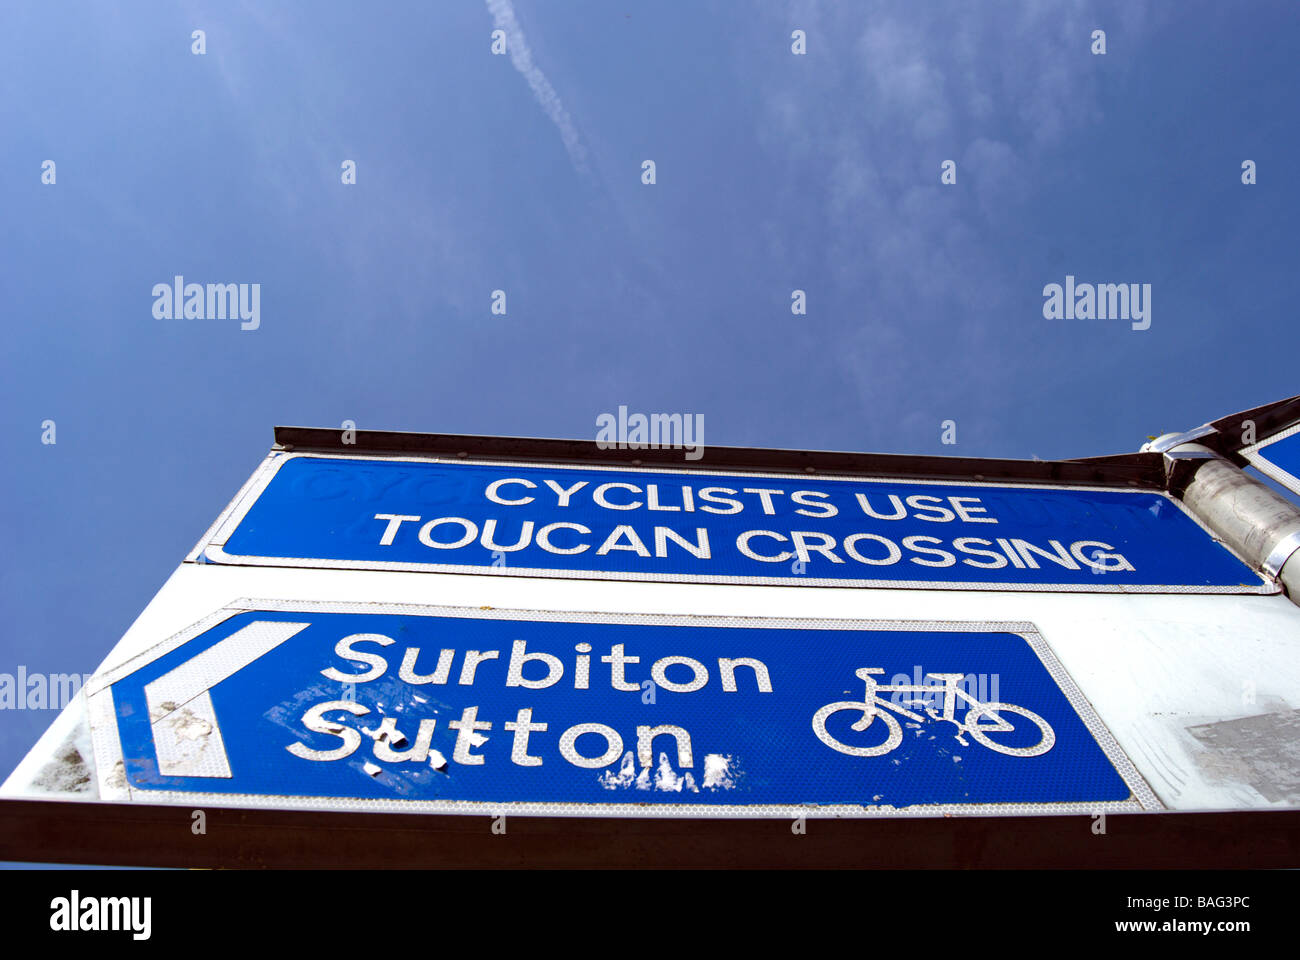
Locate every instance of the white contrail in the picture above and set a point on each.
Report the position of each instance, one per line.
(503, 15)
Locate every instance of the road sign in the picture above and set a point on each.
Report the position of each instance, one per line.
(635, 524)
(687, 695)
(1278, 457)
(447, 709)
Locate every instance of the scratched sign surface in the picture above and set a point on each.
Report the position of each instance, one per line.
(452, 708)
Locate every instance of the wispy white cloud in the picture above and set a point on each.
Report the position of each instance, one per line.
(881, 99)
(503, 15)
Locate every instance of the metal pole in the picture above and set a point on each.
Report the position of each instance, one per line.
(1260, 525)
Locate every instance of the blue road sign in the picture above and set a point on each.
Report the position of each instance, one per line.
(1278, 457)
(455, 709)
(718, 528)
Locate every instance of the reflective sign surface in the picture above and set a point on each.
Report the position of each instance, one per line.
(454, 709)
(1278, 457)
(632, 524)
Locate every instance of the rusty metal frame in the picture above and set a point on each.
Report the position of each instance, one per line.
(146, 835)
(1144, 470)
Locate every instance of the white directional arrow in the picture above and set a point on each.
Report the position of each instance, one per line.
(186, 735)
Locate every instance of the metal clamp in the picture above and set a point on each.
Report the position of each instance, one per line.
(1280, 554)
(1165, 443)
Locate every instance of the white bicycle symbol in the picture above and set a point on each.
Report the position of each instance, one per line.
(981, 718)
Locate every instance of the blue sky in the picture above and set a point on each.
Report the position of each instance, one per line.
(478, 172)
